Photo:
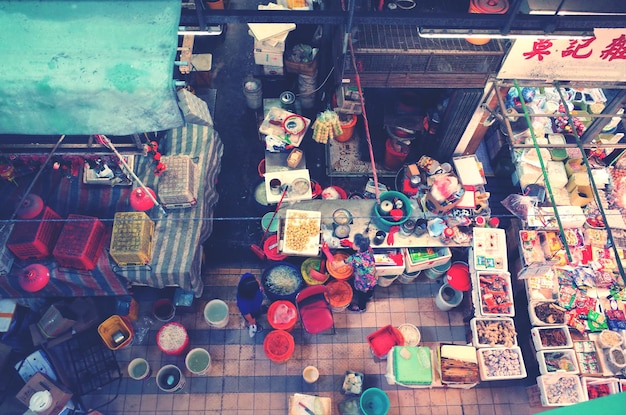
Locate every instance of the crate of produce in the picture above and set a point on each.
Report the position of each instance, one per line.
(80, 242)
(131, 239)
(178, 185)
(551, 361)
(35, 238)
(417, 259)
(501, 363)
(546, 313)
(494, 294)
(551, 338)
(493, 332)
(560, 389)
(589, 361)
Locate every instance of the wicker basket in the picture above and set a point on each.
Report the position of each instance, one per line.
(304, 68)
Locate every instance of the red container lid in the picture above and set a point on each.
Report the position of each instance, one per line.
(458, 276)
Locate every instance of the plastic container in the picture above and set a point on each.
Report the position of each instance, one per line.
(282, 315)
(139, 369)
(551, 361)
(486, 7)
(617, 357)
(384, 339)
(80, 242)
(339, 295)
(265, 222)
(170, 379)
(35, 238)
(374, 401)
(178, 184)
(494, 302)
(382, 220)
(279, 346)
(343, 272)
(198, 361)
(560, 389)
(172, 339)
(411, 334)
(435, 259)
(536, 321)
(394, 158)
(448, 298)
(163, 310)
(386, 280)
(310, 374)
(407, 277)
(116, 332)
(347, 129)
(509, 361)
(609, 386)
(305, 268)
(216, 313)
(270, 247)
(131, 239)
(497, 326)
(253, 91)
(277, 273)
(537, 333)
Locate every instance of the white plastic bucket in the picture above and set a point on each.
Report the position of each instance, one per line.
(139, 369)
(408, 277)
(448, 298)
(438, 270)
(253, 91)
(170, 379)
(216, 313)
(386, 280)
(198, 361)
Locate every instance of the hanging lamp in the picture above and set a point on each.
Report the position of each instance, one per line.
(34, 277)
(140, 200)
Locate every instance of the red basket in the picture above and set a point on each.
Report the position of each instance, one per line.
(384, 339)
(35, 239)
(279, 346)
(79, 243)
(172, 339)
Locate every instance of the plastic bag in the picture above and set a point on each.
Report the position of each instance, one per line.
(519, 205)
(283, 314)
(142, 326)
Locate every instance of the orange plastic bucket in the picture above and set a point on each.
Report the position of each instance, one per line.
(279, 346)
(394, 158)
(287, 320)
(339, 295)
(342, 272)
(347, 130)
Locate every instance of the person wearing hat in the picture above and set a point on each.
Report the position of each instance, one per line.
(250, 302)
(365, 278)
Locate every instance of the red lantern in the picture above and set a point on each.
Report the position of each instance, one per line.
(140, 200)
(31, 207)
(34, 277)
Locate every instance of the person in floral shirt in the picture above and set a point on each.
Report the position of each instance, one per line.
(365, 278)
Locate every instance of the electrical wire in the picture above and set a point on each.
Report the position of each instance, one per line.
(319, 87)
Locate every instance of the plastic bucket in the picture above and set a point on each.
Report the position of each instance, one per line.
(215, 4)
(172, 339)
(382, 220)
(408, 277)
(265, 222)
(438, 270)
(279, 346)
(339, 295)
(198, 361)
(282, 315)
(342, 272)
(170, 379)
(374, 401)
(270, 247)
(448, 298)
(139, 369)
(394, 158)
(347, 130)
(164, 310)
(386, 280)
(253, 90)
(412, 335)
(216, 313)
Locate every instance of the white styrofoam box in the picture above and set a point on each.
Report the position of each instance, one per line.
(501, 363)
(499, 323)
(273, 44)
(273, 70)
(535, 333)
(195, 110)
(385, 266)
(613, 385)
(560, 389)
(566, 357)
(443, 255)
(262, 57)
(6, 257)
(534, 320)
(493, 294)
(489, 249)
(178, 185)
(557, 174)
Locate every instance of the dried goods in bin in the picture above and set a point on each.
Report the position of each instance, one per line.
(552, 337)
(495, 332)
(550, 313)
(496, 295)
(501, 362)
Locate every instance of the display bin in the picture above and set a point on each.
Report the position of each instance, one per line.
(178, 185)
(417, 259)
(385, 264)
(80, 242)
(383, 340)
(493, 294)
(303, 68)
(113, 327)
(551, 361)
(131, 239)
(560, 389)
(597, 388)
(537, 333)
(501, 330)
(558, 313)
(501, 363)
(589, 361)
(35, 239)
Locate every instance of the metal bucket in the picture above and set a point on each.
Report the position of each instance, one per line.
(253, 91)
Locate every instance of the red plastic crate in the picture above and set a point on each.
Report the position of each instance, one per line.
(35, 239)
(80, 242)
(384, 339)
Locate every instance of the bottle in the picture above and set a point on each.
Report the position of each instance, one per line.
(446, 235)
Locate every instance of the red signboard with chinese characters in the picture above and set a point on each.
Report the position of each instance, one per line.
(598, 58)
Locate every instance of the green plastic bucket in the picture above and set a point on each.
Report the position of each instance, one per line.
(438, 270)
(374, 401)
(265, 222)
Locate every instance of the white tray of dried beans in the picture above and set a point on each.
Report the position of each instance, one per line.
(302, 232)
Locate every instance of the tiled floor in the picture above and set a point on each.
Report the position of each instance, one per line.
(242, 380)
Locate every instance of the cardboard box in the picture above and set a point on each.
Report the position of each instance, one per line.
(39, 382)
(274, 44)
(273, 70)
(262, 57)
(84, 308)
(417, 259)
(57, 320)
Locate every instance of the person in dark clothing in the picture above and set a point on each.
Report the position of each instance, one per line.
(250, 301)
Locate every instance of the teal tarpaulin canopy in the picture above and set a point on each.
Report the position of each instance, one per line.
(88, 67)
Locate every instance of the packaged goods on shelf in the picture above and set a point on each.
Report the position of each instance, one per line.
(493, 294)
(589, 361)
